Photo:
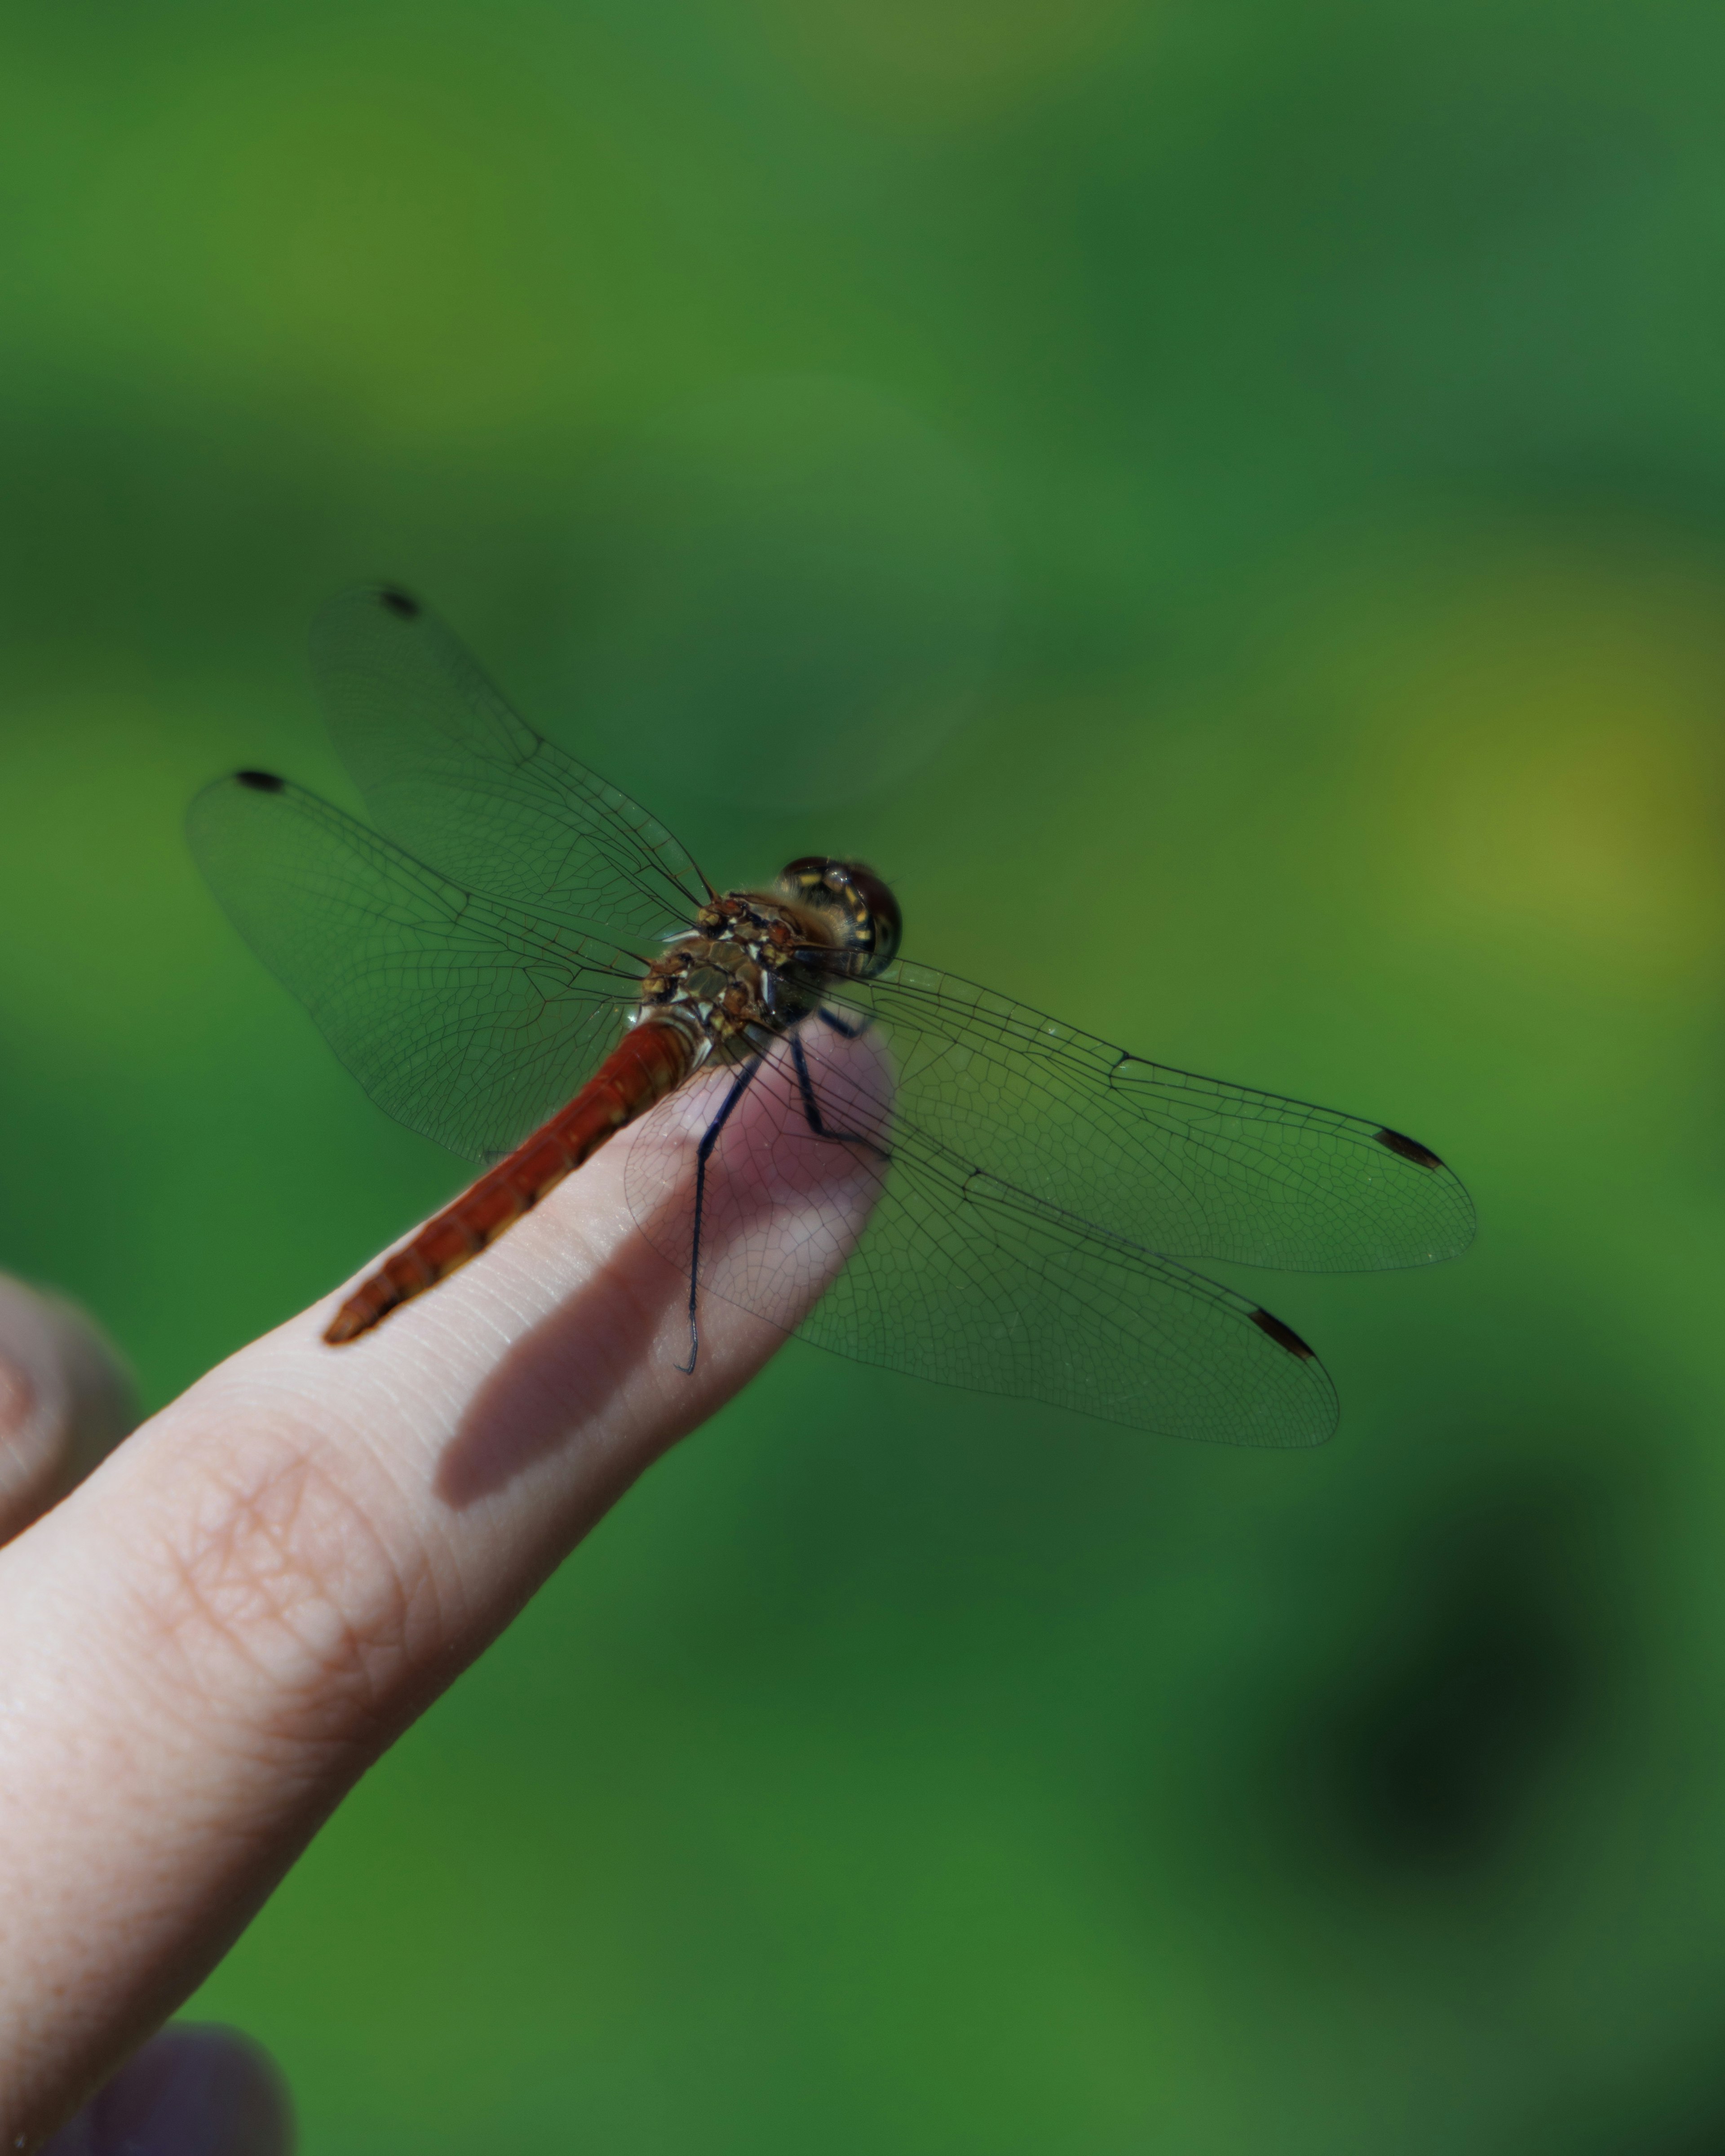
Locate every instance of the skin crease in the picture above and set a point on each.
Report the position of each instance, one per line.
(205, 1644)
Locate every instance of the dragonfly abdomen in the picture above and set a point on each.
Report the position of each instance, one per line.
(650, 1062)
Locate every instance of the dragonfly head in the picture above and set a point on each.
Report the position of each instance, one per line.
(864, 912)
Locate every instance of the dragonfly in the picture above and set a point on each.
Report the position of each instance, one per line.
(516, 960)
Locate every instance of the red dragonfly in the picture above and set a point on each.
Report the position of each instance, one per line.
(519, 962)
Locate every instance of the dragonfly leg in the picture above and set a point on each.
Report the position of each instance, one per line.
(837, 1024)
(811, 1106)
(703, 1153)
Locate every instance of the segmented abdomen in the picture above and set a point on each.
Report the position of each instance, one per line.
(649, 1063)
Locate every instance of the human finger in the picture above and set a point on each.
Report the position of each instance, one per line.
(66, 1400)
(191, 2091)
(203, 1648)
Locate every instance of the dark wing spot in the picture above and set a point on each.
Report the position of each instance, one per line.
(260, 782)
(400, 602)
(1283, 1335)
(1409, 1149)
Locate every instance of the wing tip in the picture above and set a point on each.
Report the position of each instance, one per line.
(382, 597)
(1407, 1148)
(209, 810)
(1283, 1335)
(1315, 1421)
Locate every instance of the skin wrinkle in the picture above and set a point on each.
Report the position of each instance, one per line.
(283, 1571)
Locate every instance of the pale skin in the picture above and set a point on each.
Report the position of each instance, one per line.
(208, 1640)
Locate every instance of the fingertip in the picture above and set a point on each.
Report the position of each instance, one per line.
(66, 1400)
(18, 1408)
(191, 2091)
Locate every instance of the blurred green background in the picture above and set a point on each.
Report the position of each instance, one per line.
(1254, 475)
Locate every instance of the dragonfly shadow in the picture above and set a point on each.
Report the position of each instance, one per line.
(561, 1376)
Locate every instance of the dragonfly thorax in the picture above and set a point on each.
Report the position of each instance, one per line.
(750, 969)
(754, 963)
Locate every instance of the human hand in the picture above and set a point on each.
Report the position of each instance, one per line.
(209, 1640)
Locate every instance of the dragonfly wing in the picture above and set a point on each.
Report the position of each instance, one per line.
(462, 1017)
(999, 1295)
(450, 771)
(1186, 1166)
(957, 1276)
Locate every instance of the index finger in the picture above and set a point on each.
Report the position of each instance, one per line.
(203, 1647)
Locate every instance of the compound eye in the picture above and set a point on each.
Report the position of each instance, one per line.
(812, 868)
(887, 922)
(820, 879)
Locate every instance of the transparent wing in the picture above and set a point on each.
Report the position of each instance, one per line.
(1186, 1166)
(463, 1017)
(957, 1276)
(450, 773)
